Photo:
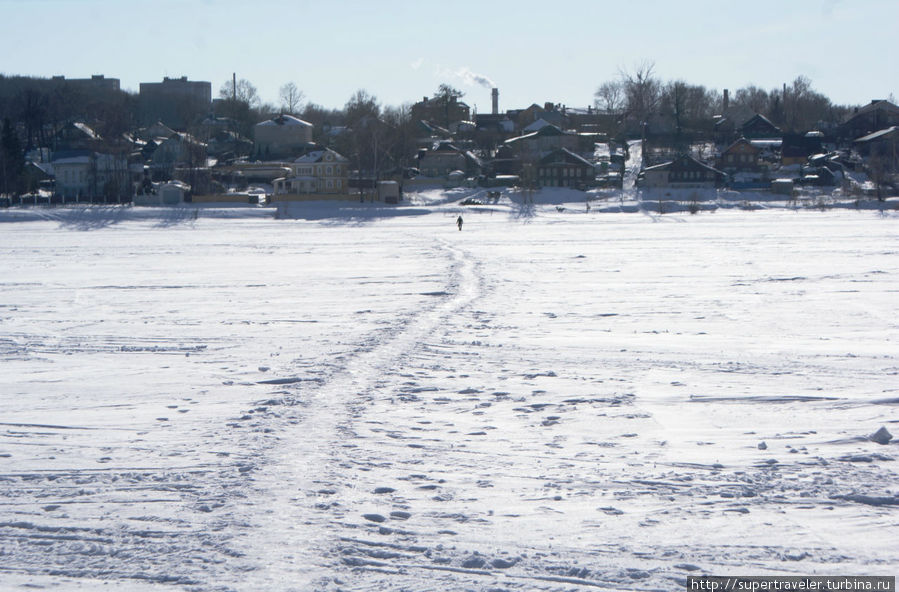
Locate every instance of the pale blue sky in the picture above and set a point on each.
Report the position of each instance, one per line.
(401, 50)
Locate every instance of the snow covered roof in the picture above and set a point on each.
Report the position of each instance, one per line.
(773, 143)
(564, 155)
(86, 130)
(45, 167)
(682, 160)
(157, 130)
(540, 123)
(182, 137)
(741, 141)
(64, 157)
(546, 130)
(659, 167)
(878, 134)
(320, 156)
(284, 119)
(444, 146)
(174, 184)
(551, 130)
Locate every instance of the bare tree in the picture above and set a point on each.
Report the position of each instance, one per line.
(362, 145)
(642, 90)
(400, 137)
(806, 108)
(752, 98)
(291, 98)
(361, 106)
(238, 102)
(689, 106)
(33, 113)
(609, 97)
(244, 92)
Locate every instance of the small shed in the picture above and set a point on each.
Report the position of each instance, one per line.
(782, 186)
(172, 193)
(389, 192)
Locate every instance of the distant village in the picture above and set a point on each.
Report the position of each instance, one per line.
(87, 141)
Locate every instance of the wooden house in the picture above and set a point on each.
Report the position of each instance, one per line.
(759, 126)
(564, 168)
(683, 172)
(874, 116)
(742, 155)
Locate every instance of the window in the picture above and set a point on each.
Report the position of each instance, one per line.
(329, 171)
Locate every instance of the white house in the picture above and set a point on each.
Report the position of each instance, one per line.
(180, 149)
(282, 135)
(320, 171)
(86, 175)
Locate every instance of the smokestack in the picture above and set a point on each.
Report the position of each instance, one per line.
(726, 101)
(495, 94)
(234, 86)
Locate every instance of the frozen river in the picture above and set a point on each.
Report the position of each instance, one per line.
(546, 400)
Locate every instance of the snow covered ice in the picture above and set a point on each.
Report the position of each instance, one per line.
(358, 398)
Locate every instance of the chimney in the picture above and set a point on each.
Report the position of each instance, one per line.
(726, 102)
(495, 94)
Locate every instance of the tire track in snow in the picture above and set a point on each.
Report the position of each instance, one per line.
(309, 467)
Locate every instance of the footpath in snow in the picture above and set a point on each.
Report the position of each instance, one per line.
(554, 398)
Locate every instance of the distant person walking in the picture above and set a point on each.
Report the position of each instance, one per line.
(459, 222)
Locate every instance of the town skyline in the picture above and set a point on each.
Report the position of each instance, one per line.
(399, 51)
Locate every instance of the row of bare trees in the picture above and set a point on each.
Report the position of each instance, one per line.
(638, 96)
(375, 138)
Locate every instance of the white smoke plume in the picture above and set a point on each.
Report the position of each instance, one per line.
(471, 78)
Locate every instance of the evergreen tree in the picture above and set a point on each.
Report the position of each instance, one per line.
(12, 161)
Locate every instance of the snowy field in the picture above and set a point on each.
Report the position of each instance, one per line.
(357, 399)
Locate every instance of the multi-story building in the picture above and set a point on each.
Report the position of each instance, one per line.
(97, 82)
(176, 102)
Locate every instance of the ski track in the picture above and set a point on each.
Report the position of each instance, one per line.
(454, 446)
